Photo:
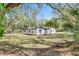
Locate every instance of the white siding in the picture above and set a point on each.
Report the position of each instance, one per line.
(43, 31)
(31, 31)
(51, 31)
(38, 31)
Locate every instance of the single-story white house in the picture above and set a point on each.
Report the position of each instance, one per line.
(40, 30)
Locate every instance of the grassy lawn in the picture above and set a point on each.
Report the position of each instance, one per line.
(32, 39)
(20, 44)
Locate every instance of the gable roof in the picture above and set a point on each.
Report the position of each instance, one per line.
(39, 27)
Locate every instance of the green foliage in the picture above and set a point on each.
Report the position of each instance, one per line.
(76, 37)
(67, 26)
(57, 24)
(2, 19)
(53, 23)
(74, 12)
(49, 23)
(1, 31)
(2, 6)
(2, 27)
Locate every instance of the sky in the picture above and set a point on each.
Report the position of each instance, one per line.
(45, 13)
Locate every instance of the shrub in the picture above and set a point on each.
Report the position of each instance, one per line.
(1, 31)
(76, 37)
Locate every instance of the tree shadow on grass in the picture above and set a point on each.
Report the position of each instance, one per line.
(75, 50)
(7, 48)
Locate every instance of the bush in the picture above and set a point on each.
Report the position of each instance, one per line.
(76, 37)
(1, 32)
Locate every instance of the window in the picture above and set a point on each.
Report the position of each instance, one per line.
(29, 30)
(32, 31)
(40, 30)
(50, 30)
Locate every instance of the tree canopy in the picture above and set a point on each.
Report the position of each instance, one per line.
(67, 16)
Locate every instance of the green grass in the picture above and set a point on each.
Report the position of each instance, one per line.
(30, 44)
(29, 39)
(61, 36)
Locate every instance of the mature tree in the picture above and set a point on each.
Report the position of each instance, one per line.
(66, 12)
(2, 19)
(23, 16)
(3, 9)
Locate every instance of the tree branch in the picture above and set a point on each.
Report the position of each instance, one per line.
(12, 5)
